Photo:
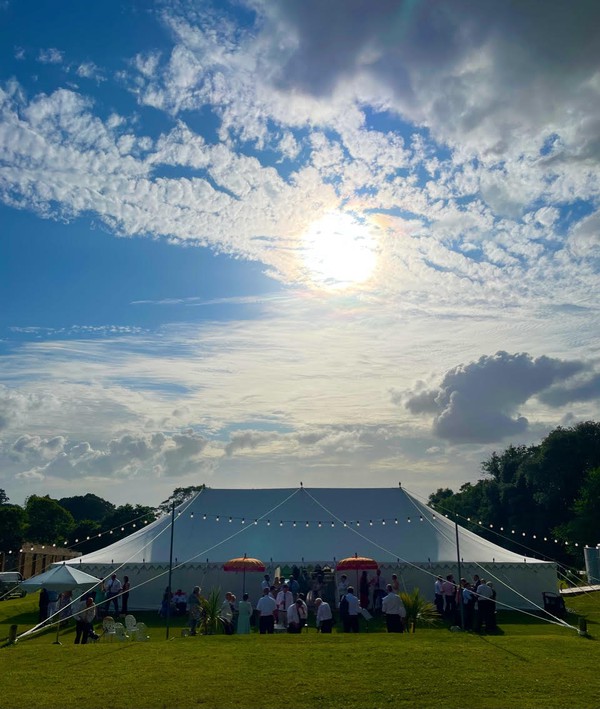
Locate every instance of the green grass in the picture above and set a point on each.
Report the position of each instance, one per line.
(528, 664)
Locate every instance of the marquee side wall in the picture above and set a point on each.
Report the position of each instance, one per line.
(517, 585)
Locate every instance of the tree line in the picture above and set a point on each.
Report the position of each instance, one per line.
(43, 520)
(548, 490)
(551, 489)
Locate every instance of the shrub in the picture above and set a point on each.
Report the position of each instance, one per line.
(211, 608)
(419, 611)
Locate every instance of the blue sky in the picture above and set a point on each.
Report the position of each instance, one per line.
(254, 243)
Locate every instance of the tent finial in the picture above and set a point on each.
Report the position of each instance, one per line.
(399, 484)
(301, 485)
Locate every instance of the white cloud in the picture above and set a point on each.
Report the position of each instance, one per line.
(458, 137)
(50, 56)
(478, 402)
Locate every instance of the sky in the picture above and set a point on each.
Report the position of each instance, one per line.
(259, 242)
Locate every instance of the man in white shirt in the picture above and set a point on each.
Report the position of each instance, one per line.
(324, 616)
(351, 619)
(266, 607)
(439, 595)
(296, 617)
(485, 606)
(113, 590)
(266, 582)
(394, 610)
(84, 619)
(285, 598)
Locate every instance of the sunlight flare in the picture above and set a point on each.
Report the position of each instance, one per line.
(339, 251)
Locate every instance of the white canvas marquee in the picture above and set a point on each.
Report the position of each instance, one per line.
(305, 527)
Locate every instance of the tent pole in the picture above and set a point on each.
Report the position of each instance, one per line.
(170, 568)
(460, 594)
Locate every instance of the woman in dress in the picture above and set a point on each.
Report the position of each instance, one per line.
(125, 596)
(363, 588)
(244, 614)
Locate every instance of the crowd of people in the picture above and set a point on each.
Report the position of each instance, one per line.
(283, 606)
(97, 603)
(470, 605)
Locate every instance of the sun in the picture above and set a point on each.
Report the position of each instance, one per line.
(338, 251)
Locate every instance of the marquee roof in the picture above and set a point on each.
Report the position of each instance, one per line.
(203, 531)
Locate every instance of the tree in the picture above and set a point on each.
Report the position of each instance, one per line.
(89, 506)
(179, 496)
(122, 519)
(12, 527)
(551, 490)
(3, 497)
(84, 529)
(47, 521)
(584, 527)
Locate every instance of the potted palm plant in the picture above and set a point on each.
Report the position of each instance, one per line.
(418, 610)
(211, 607)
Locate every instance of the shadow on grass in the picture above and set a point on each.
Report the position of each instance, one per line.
(94, 658)
(23, 618)
(484, 639)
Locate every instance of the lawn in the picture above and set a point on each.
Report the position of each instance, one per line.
(528, 664)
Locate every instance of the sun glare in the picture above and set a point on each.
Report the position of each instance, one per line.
(338, 251)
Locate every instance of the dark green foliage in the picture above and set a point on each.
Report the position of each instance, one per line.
(87, 507)
(12, 527)
(84, 529)
(121, 521)
(3, 497)
(47, 521)
(552, 490)
(179, 496)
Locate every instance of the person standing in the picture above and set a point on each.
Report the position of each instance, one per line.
(113, 591)
(439, 595)
(43, 605)
(324, 616)
(266, 607)
(265, 583)
(84, 621)
(227, 609)
(363, 590)
(394, 611)
(64, 605)
(378, 583)
(485, 606)
(342, 589)
(285, 598)
(125, 596)
(468, 601)
(52, 604)
(354, 608)
(449, 591)
(195, 610)
(296, 616)
(244, 615)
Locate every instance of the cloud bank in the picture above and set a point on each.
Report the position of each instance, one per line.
(478, 402)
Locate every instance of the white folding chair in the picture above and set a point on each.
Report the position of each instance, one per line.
(108, 629)
(130, 624)
(120, 633)
(141, 632)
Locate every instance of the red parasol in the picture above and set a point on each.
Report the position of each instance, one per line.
(356, 563)
(244, 563)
